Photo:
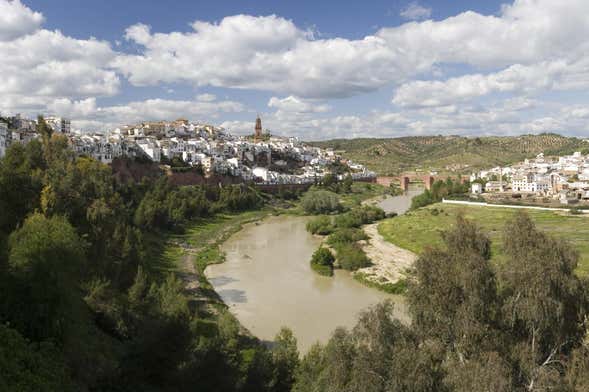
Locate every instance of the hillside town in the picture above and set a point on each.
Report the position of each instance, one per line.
(261, 157)
(564, 179)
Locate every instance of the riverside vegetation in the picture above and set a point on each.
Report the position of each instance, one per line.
(475, 326)
(89, 300)
(343, 231)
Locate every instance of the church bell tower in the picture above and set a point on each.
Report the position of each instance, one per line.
(258, 134)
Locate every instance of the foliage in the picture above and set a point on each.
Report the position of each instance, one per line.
(30, 367)
(320, 225)
(322, 261)
(165, 206)
(46, 257)
(285, 357)
(379, 354)
(439, 190)
(473, 327)
(20, 183)
(322, 256)
(359, 216)
(346, 235)
(320, 202)
(351, 257)
(84, 285)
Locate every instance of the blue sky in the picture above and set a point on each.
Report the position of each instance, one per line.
(316, 69)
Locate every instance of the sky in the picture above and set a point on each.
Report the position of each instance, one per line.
(314, 69)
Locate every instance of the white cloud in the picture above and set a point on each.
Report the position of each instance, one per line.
(16, 20)
(529, 47)
(42, 69)
(86, 114)
(272, 53)
(415, 11)
(206, 97)
(522, 79)
(266, 53)
(297, 105)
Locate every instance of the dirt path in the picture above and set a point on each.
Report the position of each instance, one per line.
(390, 262)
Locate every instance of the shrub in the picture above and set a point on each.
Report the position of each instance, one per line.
(322, 262)
(348, 235)
(320, 202)
(324, 270)
(322, 256)
(359, 216)
(351, 257)
(320, 225)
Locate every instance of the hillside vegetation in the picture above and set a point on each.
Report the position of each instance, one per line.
(449, 153)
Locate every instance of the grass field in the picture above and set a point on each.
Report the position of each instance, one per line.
(421, 228)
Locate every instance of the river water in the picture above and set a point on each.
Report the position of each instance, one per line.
(267, 282)
(400, 204)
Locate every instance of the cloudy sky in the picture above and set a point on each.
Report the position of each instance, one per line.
(315, 69)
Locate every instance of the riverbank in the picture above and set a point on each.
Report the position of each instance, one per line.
(199, 247)
(391, 265)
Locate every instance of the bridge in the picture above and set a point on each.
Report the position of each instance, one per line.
(405, 179)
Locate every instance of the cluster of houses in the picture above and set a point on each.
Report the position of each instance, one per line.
(564, 178)
(271, 160)
(17, 129)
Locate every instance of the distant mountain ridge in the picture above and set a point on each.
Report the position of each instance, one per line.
(450, 154)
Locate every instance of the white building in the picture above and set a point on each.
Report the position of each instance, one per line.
(531, 183)
(150, 148)
(59, 124)
(476, 188)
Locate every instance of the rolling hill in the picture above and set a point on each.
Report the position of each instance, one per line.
(450, 154)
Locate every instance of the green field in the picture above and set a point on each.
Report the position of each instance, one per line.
(421, 228)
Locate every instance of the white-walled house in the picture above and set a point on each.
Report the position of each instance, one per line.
(476, 188)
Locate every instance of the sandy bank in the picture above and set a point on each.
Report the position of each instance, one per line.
(390, 263)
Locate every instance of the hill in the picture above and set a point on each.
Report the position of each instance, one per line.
(449, 154)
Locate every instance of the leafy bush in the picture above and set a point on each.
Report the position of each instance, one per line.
(440, 189)
(320, 202)
(347, 235)
(320, 225)
(351, 257)
(322, 262)
(322, 256)
(359, 216)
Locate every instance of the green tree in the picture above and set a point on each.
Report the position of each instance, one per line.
(44, 129)
(19, 184)
(28, 367)
(285, 358)
(46, 255)
(543, 300)
(320, 202)
(347, 183)
(454, 296)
